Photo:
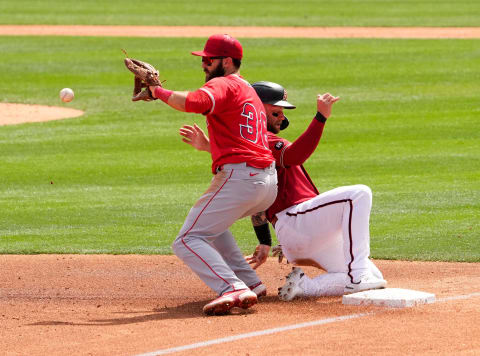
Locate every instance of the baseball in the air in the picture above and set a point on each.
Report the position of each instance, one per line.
(66, 94)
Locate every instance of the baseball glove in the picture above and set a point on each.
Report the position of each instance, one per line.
(277, 252)
(145, 75)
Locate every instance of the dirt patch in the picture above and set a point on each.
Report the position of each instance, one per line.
(12, 114)
(256, 32)
(127, 305)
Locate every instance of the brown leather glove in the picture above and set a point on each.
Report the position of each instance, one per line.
(145, 75)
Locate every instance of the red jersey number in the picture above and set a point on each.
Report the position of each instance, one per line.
(253, 125)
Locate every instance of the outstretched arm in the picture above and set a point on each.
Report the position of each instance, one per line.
(175, 99)
(299, 151)
(197, 101)
(262, 230)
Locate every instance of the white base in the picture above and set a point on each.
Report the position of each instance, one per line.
(389, 297)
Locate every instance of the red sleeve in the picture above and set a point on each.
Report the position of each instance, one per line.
(217, 91)
(277, 145)
(298, 152)
(198, 102)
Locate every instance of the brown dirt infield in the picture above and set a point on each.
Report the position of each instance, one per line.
(255, 32)
(128, 305)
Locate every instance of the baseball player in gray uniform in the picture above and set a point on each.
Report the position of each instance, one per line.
(244, 181)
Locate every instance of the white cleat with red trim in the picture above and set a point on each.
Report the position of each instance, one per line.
(243, 298)
(366, 283)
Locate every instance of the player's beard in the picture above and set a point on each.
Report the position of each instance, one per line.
(272, 128)
(219, 71)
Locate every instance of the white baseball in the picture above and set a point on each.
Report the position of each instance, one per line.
(66, 94)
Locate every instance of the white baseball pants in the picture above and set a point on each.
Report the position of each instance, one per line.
(206, 245)
(330, 231)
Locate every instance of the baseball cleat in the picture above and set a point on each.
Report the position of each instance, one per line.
(259, 289)
(374, 270)
(243, 298)
(366, 283)
(293, 286)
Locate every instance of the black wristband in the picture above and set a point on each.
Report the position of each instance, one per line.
(263, 234)
(320, 117)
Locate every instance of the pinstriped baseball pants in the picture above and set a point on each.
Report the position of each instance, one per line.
(332, 231)
(206, 245)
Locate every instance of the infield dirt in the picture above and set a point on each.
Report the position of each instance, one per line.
(127, 305)
(238, 31)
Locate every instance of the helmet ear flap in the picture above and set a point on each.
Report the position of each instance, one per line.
(284, 123)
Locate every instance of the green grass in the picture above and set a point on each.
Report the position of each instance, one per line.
(407, 125)
(244, 13)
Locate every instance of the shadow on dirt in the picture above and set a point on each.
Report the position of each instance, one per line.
(189, 310)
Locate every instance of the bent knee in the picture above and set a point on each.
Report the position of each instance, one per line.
(363, 192)
(178, 246)
(365, 189)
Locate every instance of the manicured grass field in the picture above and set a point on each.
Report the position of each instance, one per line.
(407, 125)
(243, 13)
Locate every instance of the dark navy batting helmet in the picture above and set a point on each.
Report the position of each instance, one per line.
(273, 94)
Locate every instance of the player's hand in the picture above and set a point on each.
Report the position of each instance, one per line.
(195, 137)
(277, 252)
(259, 256)
(325, 102)
(152, 90)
